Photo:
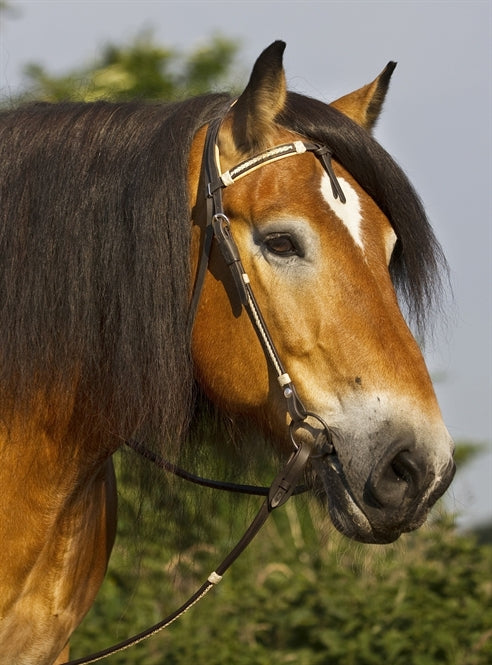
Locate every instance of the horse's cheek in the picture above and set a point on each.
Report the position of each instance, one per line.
(230, 367)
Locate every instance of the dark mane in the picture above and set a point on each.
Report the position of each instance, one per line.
(94, 258)
(418, 262)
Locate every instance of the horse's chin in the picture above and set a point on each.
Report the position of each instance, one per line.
(346, 514)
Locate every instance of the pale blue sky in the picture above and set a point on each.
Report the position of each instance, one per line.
(437, 124)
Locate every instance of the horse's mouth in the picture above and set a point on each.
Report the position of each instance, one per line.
(345, 512)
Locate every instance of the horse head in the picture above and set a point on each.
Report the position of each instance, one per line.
(320, 261)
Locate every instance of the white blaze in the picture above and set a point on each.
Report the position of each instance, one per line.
(349, 212)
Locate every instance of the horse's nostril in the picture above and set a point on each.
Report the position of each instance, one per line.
(407, 470)
(401, 473)
(396, 479)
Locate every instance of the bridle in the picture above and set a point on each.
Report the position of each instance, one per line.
(285, 484)
(218, 228)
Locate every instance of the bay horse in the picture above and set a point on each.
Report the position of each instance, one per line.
(103, 223)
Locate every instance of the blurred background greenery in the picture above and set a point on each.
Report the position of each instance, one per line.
(301, 593)
(141, 69)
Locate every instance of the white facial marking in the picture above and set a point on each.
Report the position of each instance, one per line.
(348, 212)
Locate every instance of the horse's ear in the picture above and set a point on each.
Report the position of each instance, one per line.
(249, 125)
(364, 105)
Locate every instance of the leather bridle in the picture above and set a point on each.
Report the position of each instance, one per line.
(218, 228)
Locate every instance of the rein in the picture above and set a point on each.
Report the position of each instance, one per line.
(237, 488)
(284, 484)
(282, 487)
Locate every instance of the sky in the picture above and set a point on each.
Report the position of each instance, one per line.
(437, 123)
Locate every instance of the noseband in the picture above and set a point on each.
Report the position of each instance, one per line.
(218, 228)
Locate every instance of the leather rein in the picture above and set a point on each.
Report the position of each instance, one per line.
(285, 484)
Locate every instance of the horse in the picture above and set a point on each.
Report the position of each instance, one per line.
(113, 327)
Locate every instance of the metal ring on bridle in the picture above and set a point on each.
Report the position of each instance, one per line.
(325, 447)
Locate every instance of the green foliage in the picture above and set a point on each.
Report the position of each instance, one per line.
(141, 70)
(300, 594)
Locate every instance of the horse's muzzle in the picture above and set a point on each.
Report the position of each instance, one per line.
(395, 498)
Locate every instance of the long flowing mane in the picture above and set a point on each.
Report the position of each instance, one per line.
(94, 257)
(95, 210)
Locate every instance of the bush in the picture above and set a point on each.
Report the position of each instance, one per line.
(300, 594)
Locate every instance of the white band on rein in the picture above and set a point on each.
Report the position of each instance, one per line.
(284, 380)
(213, 578)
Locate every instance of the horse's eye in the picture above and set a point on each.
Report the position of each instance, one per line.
(281, 244)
